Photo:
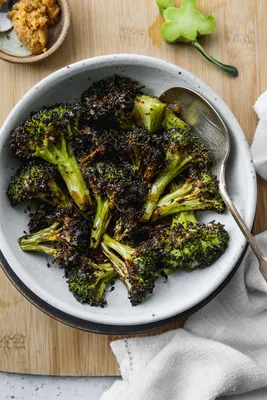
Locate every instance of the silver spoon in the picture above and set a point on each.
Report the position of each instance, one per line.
(204, 120)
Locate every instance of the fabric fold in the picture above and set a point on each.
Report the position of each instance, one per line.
(259, 145)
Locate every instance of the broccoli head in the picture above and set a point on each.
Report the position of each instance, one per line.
(183, 149)
(46, 215)
(145, 151)
(88, 281)
(36, 180)
(69, 234)
(135, 267)
(110, 100)
(200, 192)
(190, 244)
(45, 135)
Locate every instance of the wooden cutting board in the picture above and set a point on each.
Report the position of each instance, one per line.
(30, 341)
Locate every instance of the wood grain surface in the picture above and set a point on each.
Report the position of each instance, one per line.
(30, 341)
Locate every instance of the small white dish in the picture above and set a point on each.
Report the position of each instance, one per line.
(12, 50)
(182, 291)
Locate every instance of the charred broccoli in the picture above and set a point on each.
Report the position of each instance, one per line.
(45, 135)
(114, 186)
(135, 267)
(46, 215)
(149, 112)
(60, 240)
(110, 100)
(190, 244)
(145, 152)
(36, 180)
(182, 149)
(199, 192)
(88, 281)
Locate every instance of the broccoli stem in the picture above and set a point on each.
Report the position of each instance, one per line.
(91, 289)
(182, 190)
(158, 187)
(116, 261)
(32, 242)
(102, 220)
(118, 264)
(107, 274)
(124, 251)
(229, 69)
(118, 230)
(171, 120)
(59, 198)
(188, 205)
(149, 112)
(163, 4)
(70, 172)
(67, 165)
(39, 247)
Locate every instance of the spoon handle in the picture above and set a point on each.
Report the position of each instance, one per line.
(250, 238)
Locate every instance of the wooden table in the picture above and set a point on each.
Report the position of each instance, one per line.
(30, 341)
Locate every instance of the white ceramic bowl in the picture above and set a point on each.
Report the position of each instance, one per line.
(182, 291)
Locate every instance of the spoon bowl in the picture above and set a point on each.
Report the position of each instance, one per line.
(204, 121)
(207, 124)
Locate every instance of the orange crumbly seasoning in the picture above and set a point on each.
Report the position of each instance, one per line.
(31, 19)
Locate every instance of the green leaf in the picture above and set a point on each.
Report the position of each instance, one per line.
(186, 23)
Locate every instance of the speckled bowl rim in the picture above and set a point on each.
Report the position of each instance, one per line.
(85, 65)
(65, 10)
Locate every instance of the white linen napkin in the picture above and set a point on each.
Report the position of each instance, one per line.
(222, 350)
(259, 145)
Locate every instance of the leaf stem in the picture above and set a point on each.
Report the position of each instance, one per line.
(231, 70)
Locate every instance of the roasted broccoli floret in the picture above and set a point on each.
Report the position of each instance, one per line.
(149, 112)
(145, 152)
(135, 267)
(182, 149)
(190, 244)
(114, 187)
(200, 192)
(62, 239)
(110, 100)
(45, 135)
(88, 281)
(36, 180)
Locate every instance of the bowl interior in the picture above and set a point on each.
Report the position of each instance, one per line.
(182, 290)
(56, 36)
